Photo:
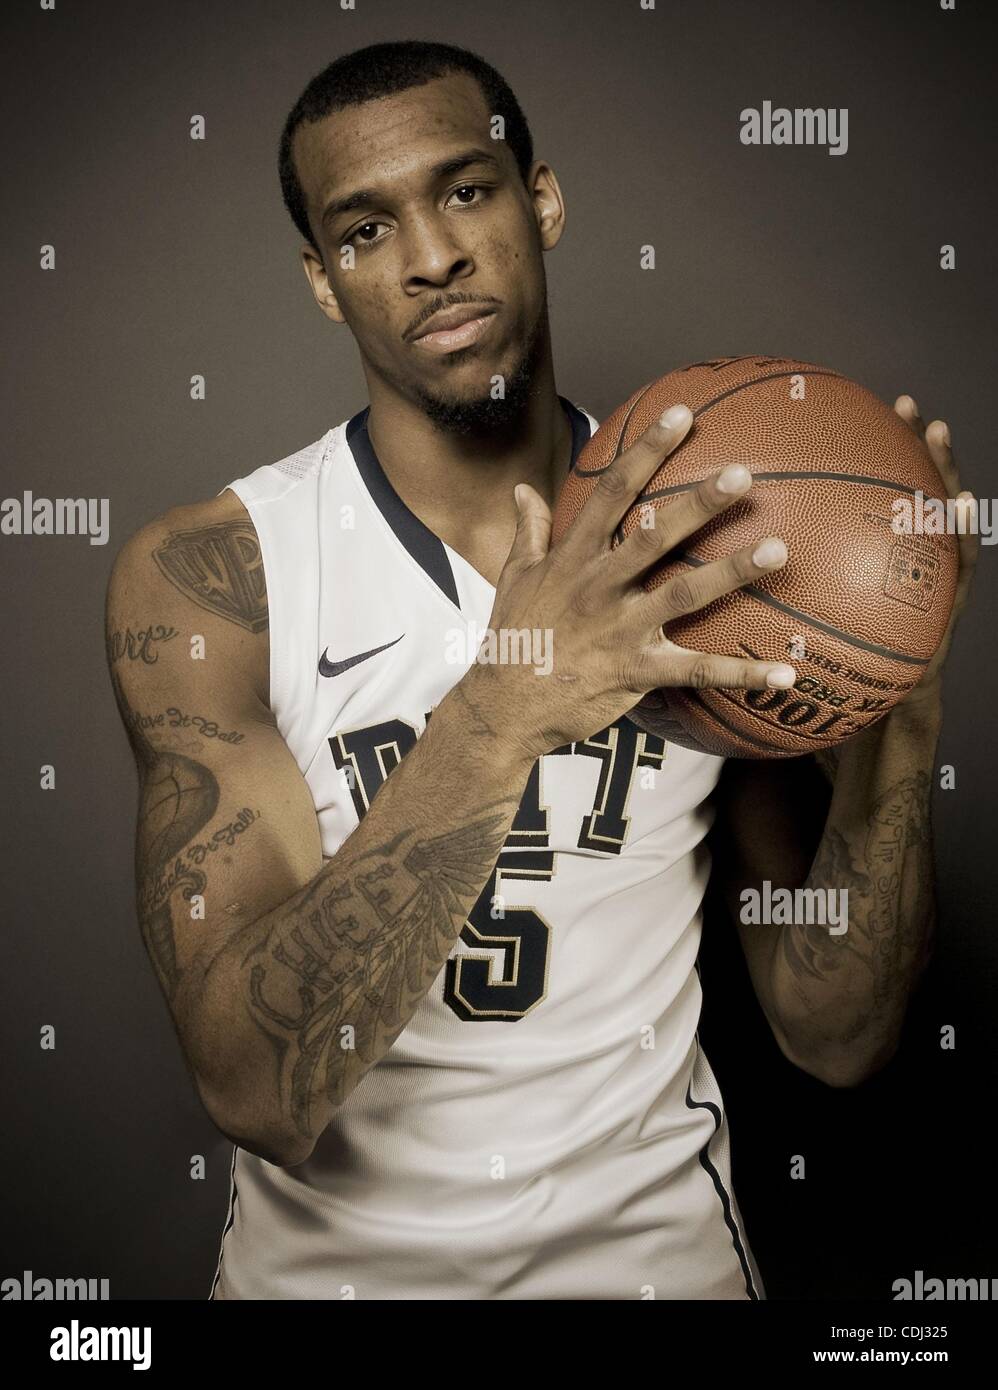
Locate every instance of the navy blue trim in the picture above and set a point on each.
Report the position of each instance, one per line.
(426, 549)
(580, 428)
(719, 1188)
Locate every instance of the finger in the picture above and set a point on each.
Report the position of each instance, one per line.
(937, 441)
(623, 480)
(533, 527)
(907, 408)
(703, 582)
(670, 665)
(668, 525)
(968, 538)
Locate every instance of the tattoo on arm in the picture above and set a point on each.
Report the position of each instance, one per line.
(339, 974)
(480, 726)
(173, 718)
(138, 646)
(889, 878)
(811, 951)
(219, 567)
(179, 797)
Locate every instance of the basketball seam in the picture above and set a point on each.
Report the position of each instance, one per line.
(806, 619)
(784, 477)
(700, 410)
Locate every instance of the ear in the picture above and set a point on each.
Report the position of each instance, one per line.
(548, 204)
(318, 279)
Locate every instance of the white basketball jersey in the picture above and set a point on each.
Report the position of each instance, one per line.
(547, 1125)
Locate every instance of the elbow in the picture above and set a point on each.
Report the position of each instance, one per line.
(280, 1150)
(841, 1077)
(267, 1137)
(844, 1068)
(837, 1062)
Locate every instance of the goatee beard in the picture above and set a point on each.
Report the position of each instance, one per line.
(486, 414)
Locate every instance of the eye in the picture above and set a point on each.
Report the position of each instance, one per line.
(472, 188)
(363, 240)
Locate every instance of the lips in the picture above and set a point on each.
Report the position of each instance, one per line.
(455, 328)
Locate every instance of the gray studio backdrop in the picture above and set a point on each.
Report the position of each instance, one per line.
(175, 257)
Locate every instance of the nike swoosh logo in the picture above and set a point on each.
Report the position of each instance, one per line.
(336, 668)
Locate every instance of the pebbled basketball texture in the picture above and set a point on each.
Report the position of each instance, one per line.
(858, 609)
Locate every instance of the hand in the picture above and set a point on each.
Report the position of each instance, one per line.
(937, 440)
(585, 598)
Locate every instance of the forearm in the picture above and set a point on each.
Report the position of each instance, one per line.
(293, 1010)
(841, 995)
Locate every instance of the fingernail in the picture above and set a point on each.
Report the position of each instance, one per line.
(769, 552)
(781, 677)
(734, 478)
(946, 436)
(675, 416)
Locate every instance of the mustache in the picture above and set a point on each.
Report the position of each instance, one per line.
(428, 310)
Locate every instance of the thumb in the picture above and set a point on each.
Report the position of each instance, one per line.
(533, 526)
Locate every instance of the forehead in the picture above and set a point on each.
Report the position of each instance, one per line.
(391, 139)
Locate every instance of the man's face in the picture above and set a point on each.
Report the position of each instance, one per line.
(426, 240)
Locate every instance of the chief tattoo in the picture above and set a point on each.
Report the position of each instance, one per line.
(335, 977)
(220, 567)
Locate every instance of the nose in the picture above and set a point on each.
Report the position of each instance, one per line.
(432, 256)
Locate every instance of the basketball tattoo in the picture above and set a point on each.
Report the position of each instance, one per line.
(179, 797)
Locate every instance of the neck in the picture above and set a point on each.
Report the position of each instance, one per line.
(461, 485)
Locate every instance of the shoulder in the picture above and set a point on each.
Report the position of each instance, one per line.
(225, 510)
(195, 568)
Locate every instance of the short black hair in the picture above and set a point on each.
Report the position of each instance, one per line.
(379, 70)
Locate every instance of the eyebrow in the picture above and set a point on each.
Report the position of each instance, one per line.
(364, 197)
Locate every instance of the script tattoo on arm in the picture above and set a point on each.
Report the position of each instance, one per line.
(138, 646)
(178, 799)
(889, 877)
(812, 953)
(341, 968)
(221, 568)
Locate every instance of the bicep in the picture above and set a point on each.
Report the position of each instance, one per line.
(224, 833)
(226, 827)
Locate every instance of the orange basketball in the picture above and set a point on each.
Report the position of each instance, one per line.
(861, 604)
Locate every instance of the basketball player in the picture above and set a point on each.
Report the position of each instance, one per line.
(428, 926)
